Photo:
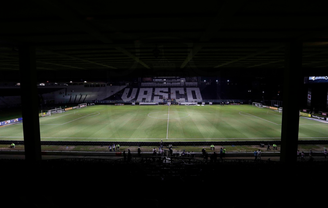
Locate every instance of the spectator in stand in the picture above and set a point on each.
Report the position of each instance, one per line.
(221, 153)
(129, 155)
(255, 155)
(139, 151)
(12, 145)
(114, 147)
(325, 152)
(224, 152)
(259, 153)
(302, 155)
(171, 151)
(124, 155)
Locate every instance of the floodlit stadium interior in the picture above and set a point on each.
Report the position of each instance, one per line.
(224, 101)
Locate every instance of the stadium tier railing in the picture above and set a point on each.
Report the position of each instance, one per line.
(176, 101)
(148, 103)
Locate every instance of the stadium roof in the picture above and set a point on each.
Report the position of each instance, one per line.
(166, 37)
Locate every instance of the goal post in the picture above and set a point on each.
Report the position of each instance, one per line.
(82, 105)
(280, 109)
(45, 113)
(57, 110)
(256, 104)
(187, 103)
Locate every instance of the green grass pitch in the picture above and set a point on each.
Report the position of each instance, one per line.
(169, 123)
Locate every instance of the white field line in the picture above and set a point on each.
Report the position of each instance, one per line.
(53, 117)
(92, 114)
(314, 119)
(167, 123)
(247, 114)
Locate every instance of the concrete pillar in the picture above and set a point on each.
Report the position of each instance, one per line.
(30, 103)
(291, 93)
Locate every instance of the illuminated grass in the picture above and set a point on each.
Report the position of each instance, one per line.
(150, 123)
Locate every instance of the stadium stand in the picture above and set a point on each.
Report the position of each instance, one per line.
(10, 101)
(157, 94)
(145, 95)
(125, 96)
(78, 94)
(191, 84)
(210, 92)
(194, 95)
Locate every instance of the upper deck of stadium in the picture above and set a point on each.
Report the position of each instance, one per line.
(75, 39)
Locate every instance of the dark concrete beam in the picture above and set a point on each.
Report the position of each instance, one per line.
(227, 10)
(72, 19)
(30, 103)
(293, 82)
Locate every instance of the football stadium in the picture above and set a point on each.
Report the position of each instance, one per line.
(153, 122)
(163, 104)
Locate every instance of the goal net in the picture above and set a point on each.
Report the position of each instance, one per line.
(82, 105)
(188, 103)
(57, 110)
(259, 105)
(44, 114)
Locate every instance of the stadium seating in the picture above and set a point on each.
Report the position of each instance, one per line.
(10, 101)
(190, 96)
(125, 96)
(191, 84)
(78, 94)
(145, 95)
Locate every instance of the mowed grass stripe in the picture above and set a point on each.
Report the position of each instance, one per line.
(316, 130)
(147, 127)
(182, 125)
(205, 122)
(149, 123)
